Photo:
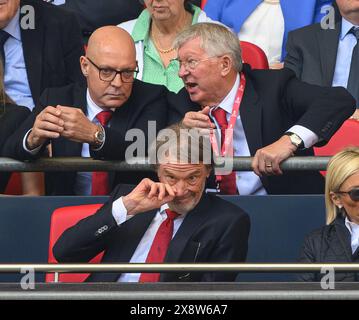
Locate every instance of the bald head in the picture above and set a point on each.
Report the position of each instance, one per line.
(111, 39)
(110, 49)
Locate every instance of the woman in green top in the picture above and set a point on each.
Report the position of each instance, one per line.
(154, 31)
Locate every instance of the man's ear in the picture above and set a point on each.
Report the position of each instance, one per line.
(84, 65)
(226, 64)
(336, 199)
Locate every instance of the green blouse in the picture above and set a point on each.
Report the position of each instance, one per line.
(153, 69)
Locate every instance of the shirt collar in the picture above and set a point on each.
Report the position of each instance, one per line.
(143, 22)
(227, 103)
(92, 108)
(346, 26)
(13, 27)
(351, 226)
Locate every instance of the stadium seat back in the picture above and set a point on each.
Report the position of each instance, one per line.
(254, 55)
(62, 219)
(347, 135)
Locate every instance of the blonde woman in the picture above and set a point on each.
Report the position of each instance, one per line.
(11, 116)
(338, 241)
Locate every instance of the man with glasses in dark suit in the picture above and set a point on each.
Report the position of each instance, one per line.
(93, 120)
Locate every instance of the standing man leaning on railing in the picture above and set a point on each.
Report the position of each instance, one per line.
(169, 221)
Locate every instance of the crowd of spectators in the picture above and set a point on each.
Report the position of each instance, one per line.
(77, 76)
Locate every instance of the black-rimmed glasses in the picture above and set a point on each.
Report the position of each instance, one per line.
(108, 74)
(353, 193)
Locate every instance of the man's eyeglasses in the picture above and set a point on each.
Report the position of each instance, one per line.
(191, 64)
(353, 194)
(108, 75)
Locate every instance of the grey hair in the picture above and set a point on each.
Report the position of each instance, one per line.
(216, 40)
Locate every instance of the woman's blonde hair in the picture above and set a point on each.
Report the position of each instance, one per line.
(341, 166)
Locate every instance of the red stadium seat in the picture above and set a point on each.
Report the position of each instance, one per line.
(347, 135)
(62, 219)
(254, 55)
(14, 186)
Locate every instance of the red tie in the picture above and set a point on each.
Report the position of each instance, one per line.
(159, 246)
(228, 182)
(100, 185)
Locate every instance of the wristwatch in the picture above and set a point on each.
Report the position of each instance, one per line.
(99, 137)
(295, 139)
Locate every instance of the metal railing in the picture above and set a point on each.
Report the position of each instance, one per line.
(89, 164)
(179, 267)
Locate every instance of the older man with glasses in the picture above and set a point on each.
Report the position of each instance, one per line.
(92, 121)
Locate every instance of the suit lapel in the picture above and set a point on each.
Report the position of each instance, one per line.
(32, 43)
(328, 41)
(190, 224)
(344, 238)
(251, 116)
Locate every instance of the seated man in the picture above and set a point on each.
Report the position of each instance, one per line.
(273, 115)
(93, 120)
(41, 46)
(328, 56)
(169, 221)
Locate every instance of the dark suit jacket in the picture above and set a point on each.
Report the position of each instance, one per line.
(312, 53)
(93, 14)
(11, 117)
(274, 101)
(148, 102)
(329, 244)
(215, 231)
(52, 49)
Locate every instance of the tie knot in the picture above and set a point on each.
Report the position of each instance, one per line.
(220, 115)
(171, 215)
(3, 37)
(355, 32)
(104, 117)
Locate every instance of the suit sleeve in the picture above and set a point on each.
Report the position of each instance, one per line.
(13, 147)
(88, 237)
(293, 60)
(231, 247)
(320, 109)
(10, 121)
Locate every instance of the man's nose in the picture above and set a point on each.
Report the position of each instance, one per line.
(181, 188)
(182, 71)
(117, 81)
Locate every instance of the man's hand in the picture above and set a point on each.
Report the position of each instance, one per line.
(148, 195)
(77, 127)
(198, 120)
(48, 125)
(355, 115)
(276, 66)
(266, 160)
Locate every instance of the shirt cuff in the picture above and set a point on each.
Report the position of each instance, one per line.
(119, 212)
(33, 152)
(308, 136)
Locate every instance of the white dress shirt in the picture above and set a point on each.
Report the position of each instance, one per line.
(347, 42)
(119, 213)
(354, 233)
(265, 28)
(248, 183)
(15, 77)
